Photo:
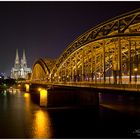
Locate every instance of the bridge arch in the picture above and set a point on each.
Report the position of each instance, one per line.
(107, 53)
(41, 69)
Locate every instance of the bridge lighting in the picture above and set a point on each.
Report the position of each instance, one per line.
(26, 95)
(39, 89)
(19, 85)
(27, 86)
(43, 97)
(135, 69)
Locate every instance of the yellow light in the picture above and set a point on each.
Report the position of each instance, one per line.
(39, 89)
(26, 95)
(19, 85)
(43, 92)
(135, 69)
(43, 97)
(41, 124)
(27, 86)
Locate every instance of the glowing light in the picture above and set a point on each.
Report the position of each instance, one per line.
(135, 69)
(39, 89)
(43, 97)
(26, 95)
(19, 85)
(41, 125)
(27, 86)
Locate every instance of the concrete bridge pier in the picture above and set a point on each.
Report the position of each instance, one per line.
(63, 96)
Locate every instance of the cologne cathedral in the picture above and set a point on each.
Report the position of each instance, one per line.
(20, 69)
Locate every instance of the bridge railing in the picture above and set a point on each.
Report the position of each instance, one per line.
(134, 87)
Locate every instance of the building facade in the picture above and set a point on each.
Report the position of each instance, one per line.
(20, 69)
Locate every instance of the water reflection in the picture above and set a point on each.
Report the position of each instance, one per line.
(13, 90)
(37, 118)
(27, 96)
(41, 125)
(27, 100)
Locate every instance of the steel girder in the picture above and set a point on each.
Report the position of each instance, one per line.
(116, 27)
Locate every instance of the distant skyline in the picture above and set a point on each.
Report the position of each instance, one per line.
(45, 29)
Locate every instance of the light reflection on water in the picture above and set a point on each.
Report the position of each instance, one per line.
(22, 118)
(40, 121)
(41, 125)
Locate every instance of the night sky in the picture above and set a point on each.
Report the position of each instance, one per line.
(45, 29)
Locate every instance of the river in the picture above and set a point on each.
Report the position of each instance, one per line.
(118, 116)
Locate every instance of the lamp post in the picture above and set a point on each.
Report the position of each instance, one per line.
(135, 72)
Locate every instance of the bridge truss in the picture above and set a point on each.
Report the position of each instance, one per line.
(108, 53)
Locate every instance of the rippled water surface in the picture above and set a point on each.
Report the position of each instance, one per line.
(117, 117)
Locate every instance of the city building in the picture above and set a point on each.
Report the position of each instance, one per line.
(20, 69)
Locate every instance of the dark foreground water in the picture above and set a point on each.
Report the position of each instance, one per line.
(118, 117)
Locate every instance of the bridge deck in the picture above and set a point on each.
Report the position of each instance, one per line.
(122, 87)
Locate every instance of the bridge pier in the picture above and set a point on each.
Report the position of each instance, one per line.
(63, 96)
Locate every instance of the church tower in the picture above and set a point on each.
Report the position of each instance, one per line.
(23, 60)
(20, 69)
(17, 63)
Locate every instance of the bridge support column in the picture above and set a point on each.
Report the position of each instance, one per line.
(71, 73)
(91, 63)
(129, 59)
(83, 65)
(109, 66)
(115, 64)
(120, 60)
(104, 66)
(76, 71)
(136, 64)
(95, 70)
(65, 73)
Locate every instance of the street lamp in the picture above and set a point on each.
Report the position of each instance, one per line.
(135, 71)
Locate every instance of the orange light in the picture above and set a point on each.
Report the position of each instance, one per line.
(19, 85)
(27, 86)
(41, 124)
(135, 69)
(26, 95)
(39, 89)
(43, 97)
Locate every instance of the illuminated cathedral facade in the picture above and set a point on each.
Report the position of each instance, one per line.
(20, 69)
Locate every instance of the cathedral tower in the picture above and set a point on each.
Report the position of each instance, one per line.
(20, 69)
(17, 63)
(23, 60)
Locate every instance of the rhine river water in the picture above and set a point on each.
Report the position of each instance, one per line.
(117, 117)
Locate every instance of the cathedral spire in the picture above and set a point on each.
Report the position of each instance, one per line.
(24, 63)
(17, 59)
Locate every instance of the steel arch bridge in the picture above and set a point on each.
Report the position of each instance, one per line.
(42, 69)
(107, 53)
